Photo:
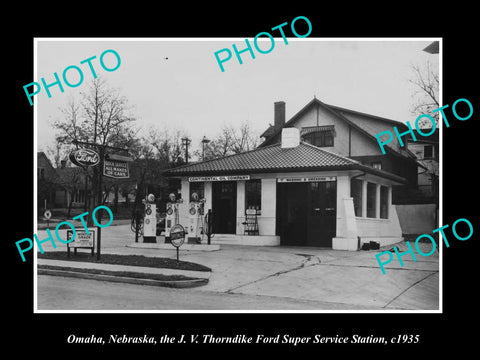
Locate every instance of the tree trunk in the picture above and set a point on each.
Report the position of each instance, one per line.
(115, 199)
(93, 199)
(72, 193)
(85, 204)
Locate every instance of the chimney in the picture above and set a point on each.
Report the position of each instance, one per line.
(279, 114)
(290, 138)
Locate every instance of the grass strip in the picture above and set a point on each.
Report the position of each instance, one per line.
(128, 260)
(129, 274)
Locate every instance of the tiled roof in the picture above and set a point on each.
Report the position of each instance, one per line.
(275, 159)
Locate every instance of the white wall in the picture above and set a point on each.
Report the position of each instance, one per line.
(240, 206)
(267, 221)
(417, 219)
(183, 207)
(350, 227)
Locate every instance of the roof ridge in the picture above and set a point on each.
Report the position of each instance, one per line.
(331, 153)
(381, 118)
(223, 157)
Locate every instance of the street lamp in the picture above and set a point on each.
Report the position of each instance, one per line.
(186, 141)
(204, 141)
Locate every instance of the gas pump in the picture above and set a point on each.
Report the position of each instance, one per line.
(150, 220)
(171, 217)
(195, 219)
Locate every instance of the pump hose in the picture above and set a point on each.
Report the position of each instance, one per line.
(205, 223)
(133, 224)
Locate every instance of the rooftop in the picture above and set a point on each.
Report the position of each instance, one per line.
(274, 158)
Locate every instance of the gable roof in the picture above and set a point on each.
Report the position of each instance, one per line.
(42, 156)
(274, 158)
(337, 111)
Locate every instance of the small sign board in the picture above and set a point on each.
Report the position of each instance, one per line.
(307, 179)
(116, 169)
(84, 157)
(219, 178)
(82, 239)
(47, 214)
(177, 235)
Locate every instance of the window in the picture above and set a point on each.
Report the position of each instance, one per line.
(315, 192)
(377, 165)
(371, 199)
(330, 197)
(383, 202)
(428, 152)
(253, 194)
(319, 138)
(356, 194)
(199, 188)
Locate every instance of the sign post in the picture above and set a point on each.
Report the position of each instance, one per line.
(177, 237)
(47, 215)
(113, 165)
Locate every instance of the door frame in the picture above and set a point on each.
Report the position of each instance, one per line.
(296, 233)
(218, 225)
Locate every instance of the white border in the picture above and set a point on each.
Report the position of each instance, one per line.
(386, 311)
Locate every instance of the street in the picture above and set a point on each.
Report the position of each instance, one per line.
(61, 293)
(257, 278)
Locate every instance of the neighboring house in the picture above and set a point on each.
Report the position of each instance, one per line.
(352, 134)
(73, 186)
(67, 186)
(46, 182)
(426, 151)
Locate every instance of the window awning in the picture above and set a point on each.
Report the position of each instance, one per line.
(313, 129)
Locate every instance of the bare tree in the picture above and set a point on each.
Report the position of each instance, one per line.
(102, 117)
(56, 153)
(230, 141)
(168, 146)
(426, 94)
(243, 139)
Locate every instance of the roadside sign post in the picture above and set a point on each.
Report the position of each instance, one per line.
(177, 237)
(82, 240)
(113, 165)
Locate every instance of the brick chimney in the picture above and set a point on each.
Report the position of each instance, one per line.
(279, 114)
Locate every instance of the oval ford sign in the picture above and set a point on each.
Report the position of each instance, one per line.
(84, 157)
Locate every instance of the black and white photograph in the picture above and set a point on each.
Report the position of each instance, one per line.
(202, 180)
(254, 184)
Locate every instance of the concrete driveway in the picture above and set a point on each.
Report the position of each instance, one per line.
(303, 273)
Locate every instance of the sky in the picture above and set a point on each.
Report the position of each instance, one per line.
(177, 83)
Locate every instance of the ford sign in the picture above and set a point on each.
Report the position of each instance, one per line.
(84, 157)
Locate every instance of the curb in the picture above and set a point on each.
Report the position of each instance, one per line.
(166, 246)
(190, 283)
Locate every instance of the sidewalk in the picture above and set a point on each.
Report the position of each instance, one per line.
(342, 277)
(52, 223)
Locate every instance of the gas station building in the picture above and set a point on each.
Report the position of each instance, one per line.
(297, 194)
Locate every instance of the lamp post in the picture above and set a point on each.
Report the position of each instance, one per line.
(204, 141)
(186, 141)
